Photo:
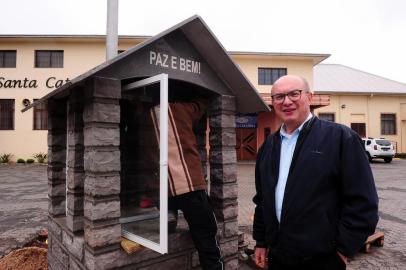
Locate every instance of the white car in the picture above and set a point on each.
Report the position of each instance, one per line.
(379, 148)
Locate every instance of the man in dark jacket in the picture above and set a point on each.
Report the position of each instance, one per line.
(316, 201)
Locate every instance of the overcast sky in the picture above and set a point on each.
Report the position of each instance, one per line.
(369, 35)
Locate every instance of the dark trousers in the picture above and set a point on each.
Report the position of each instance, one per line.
(330, 261)
(202, 223)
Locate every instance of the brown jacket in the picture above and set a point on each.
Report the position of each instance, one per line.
(185, 172)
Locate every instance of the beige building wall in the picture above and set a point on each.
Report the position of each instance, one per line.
(249, 65)
(80, 55)
(368, 109)
(403, 124)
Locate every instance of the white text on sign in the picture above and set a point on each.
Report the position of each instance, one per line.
(174, 62)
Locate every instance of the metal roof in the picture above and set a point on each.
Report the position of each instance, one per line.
(198, 35)
(336, 78)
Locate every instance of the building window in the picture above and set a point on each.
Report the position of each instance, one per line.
(48, 59)
(8, 59)
(388, 124)
(360, 128)
(327, 116)
(267, 76)
(40, 116)
(6, 114)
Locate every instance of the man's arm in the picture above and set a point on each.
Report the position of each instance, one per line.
(261, 255)
(258, 226)
(359, 212)
(259, 229)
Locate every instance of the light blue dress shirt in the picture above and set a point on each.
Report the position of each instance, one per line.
(287, 148)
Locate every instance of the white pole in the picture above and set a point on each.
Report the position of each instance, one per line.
(112, 29)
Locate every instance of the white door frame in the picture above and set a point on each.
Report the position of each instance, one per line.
(162, 248)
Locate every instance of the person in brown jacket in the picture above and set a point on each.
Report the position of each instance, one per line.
(186, 181)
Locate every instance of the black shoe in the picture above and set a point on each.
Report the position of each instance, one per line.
(172, 221)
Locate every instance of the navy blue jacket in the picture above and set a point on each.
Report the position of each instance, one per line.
(330, 202)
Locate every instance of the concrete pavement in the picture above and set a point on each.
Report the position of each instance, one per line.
(23, 210)
(23, 204)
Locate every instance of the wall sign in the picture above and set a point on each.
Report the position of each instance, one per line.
(50, 82)
(246, 121)
(174, 62)
(174, 55)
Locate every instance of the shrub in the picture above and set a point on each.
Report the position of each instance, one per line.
(20, 160)
(30, 160)
(6, 158)
(40, 157)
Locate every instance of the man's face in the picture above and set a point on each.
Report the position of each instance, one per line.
(292, 113)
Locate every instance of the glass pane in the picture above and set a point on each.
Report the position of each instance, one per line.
(327, 116)
(44, 119)
(140, 194)
(42, 59)
(6, 114)
(57, 59)
(388, 124)
(282, 72)
(10, 59)
(267, 76)
(383, 142)
(261, 76)
(275, 74)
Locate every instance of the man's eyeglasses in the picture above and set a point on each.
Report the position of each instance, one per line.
(293, 95)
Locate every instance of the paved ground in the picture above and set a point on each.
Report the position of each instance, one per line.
(390, 181)
(23, 208)
(23, 204)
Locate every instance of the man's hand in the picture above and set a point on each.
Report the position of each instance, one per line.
(261, 257)
(345, 259)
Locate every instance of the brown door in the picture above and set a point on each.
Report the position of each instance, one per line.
(246, 143)
(359, 128)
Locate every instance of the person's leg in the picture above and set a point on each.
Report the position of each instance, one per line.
(172, 214)
(203, 228)
(329, 261)
(274, 264)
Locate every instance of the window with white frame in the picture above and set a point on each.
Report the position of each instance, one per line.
(144, 195)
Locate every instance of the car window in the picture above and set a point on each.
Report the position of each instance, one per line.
(383, 142)
(368, 142)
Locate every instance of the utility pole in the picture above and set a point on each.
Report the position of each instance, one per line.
(112, 29)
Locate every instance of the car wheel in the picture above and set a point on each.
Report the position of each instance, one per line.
(387, 159)
(369, 157)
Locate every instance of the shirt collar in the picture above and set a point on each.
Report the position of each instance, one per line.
(283, 132)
